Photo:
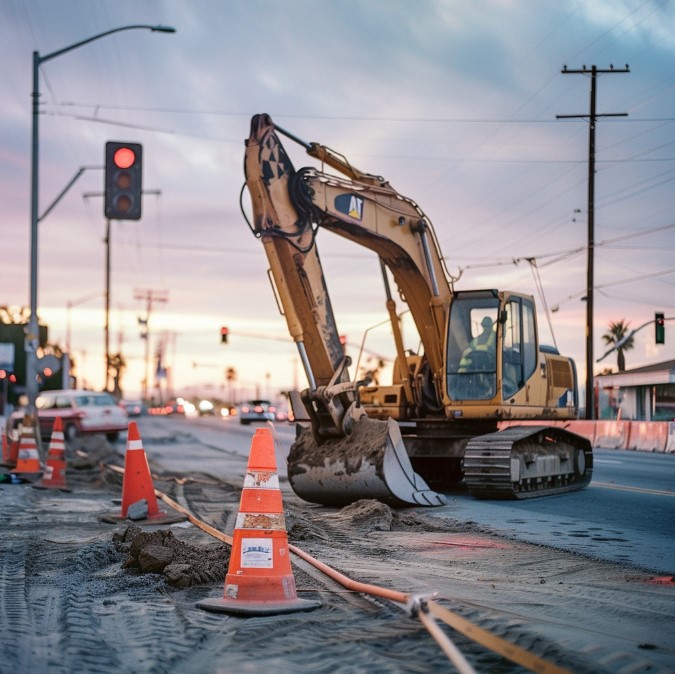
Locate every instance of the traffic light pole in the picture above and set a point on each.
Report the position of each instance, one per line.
(106, 328)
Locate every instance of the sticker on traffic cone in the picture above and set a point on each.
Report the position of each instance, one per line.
(138, 491)
(28, 460)
(55, 466)
(260, 580)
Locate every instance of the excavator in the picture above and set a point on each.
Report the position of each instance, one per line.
(466, 409)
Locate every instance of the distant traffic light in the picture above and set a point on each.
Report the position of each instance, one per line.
(659, 328)
(223, 335)
(123, 180)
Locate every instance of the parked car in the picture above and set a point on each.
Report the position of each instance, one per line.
(256, 410)
(82, 413)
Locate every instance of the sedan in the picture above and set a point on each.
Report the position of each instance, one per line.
(256, 410)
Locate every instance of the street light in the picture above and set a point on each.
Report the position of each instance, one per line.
(32, 332)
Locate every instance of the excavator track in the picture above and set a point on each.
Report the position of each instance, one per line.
(527, 461)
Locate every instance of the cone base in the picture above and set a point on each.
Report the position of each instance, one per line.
(159, 518)
(243, 607)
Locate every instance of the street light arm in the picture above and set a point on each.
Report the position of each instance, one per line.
(623, 340)
(620, 343)
(63, 192)
(47, 57)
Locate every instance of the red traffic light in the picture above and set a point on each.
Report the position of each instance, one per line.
(223, 335)
(123, 180)
(124, 157)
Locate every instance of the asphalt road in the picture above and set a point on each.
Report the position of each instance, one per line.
(626, 515)
(70, 603)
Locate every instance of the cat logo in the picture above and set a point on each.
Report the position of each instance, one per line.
(351, 205)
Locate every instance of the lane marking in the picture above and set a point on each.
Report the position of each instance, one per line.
(639, 490)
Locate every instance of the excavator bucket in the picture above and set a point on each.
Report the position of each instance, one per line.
(368, 463)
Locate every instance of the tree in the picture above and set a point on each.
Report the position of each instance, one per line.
(616, 332)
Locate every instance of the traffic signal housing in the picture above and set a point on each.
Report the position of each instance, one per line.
(659, 328)
(123, 180)
(223, 335)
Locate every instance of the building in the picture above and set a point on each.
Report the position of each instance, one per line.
(642, 394)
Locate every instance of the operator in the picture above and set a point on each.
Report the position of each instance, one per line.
(481, 352)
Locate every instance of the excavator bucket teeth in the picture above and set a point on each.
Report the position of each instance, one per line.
(369, 463)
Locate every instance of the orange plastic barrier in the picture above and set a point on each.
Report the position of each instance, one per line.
(670, 443)
(648, 436)
(582, 427)
(611, 434)
(643, 436)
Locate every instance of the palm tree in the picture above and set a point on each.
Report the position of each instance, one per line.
(617, 331)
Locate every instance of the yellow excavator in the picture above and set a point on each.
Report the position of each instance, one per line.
(480, 364)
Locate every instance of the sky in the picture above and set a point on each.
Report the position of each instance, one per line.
(453, 101)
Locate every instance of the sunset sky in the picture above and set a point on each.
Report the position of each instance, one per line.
(454, 102)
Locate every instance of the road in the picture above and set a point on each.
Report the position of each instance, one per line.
(70, 600)
(625, 516)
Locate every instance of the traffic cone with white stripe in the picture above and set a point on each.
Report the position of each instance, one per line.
(260, 580)
(55, 466)
(28, 460)
(138, 488)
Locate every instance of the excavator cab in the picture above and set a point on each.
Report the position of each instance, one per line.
(491, 347)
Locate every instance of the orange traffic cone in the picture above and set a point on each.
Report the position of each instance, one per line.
(5, 449)
(260, 579)
(137, 486)
(28, 460)
(55, 466)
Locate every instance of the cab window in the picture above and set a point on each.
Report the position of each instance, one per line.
(472, 348)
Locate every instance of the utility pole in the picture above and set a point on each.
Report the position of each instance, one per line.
(592, 118)
(150, 297)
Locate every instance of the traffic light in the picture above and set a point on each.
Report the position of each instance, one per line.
(123, 180)
(223, 335)
(659, 328)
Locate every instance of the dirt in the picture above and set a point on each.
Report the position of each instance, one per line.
(80, 595)
(182, 564)
(365, 442)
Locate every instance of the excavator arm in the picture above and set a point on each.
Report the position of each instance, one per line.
(289, 206)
